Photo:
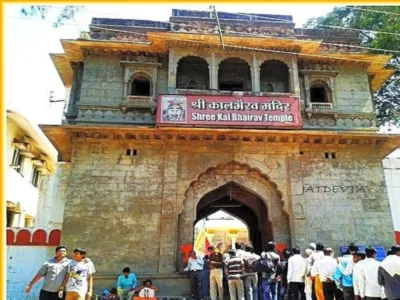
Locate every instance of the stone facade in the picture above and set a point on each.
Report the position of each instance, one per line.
(102, 90)
(139, 210)
(134, 189)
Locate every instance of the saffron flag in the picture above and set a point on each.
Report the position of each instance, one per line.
(208, 244)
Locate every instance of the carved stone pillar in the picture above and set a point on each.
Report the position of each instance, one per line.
(295, 77)
(127, 74)
(307, 82)
(172, 68)
(213, 73)
(169, 216)
(291, 88)
(154, 79)
(256, 86)
(333, 89)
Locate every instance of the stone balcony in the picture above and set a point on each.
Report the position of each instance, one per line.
(322, 106)
(140, 102)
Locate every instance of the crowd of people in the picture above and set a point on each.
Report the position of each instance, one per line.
(269, 276)
(316, 275)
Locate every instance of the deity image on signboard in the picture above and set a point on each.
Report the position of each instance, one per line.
(174, 109)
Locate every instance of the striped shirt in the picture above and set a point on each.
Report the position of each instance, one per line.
(234, 266)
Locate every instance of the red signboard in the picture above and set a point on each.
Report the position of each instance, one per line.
(246, 111)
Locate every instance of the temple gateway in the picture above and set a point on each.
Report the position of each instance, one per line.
(167, 123)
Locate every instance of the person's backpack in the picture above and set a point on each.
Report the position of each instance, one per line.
(265, 265)
(249, 261)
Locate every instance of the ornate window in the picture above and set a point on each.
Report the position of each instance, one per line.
(141, 85)
(320, 95)
(320, 92)
(319, 86)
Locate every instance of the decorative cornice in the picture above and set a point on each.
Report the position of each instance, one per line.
(252, 29)
(324, 48)
(63, 136)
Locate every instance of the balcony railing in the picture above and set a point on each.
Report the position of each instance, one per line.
(322, 106)
(193, 92)
(212, 92)
(138, 102)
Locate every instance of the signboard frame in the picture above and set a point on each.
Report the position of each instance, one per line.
(274, 112)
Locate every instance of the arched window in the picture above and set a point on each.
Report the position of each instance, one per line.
(192, 73)
(320, 92)
(141, 85)
(234, 75)
(274, 77)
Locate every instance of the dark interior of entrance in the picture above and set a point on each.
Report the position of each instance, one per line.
(243, 204)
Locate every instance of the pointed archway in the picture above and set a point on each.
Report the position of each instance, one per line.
(242, 204)
(250, 182)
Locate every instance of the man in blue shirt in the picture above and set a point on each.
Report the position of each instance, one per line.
(344, 272)
(126, 284)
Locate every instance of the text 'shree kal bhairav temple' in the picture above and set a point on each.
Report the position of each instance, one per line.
(167, 123)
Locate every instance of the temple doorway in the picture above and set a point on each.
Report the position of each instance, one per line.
(231, 214)
(244, 193)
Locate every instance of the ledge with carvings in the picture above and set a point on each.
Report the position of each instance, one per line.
(336, 120)
(114, 115)
(233, 28)
(133, 102)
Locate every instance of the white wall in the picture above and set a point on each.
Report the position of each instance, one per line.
(23, 262)
(392, 175)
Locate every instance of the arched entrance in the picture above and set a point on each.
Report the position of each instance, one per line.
(216, 183)
(242, 204)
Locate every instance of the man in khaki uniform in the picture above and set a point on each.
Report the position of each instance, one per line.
(216, 264)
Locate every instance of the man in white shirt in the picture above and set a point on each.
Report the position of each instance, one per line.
(240, 252)
(297, 272)
(324, 268)
(358, 259)
(366, 278)
(195, 269)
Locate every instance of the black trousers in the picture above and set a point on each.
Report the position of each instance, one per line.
(348, 293)
(372, 298)
(296, 289)
(331, 292)
(196, 282)
(45, 295)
